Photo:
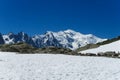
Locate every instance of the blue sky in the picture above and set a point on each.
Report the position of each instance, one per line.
(99, 17)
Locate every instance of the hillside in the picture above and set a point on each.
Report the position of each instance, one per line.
(90, 46)
(25, 48)
(113, 47)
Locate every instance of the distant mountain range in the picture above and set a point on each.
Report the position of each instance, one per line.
(63, 39)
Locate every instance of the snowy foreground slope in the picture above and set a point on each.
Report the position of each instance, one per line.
(57, 67)
(114, 47)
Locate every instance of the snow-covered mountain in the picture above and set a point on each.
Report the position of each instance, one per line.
(65, 39)
(113, 47)
(12, 38)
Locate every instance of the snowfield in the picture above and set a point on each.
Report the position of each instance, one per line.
(57, 67)
(114, 47)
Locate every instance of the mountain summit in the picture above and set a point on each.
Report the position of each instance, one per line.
(64, 39)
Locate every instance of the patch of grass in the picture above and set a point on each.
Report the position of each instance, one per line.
(89, 46)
